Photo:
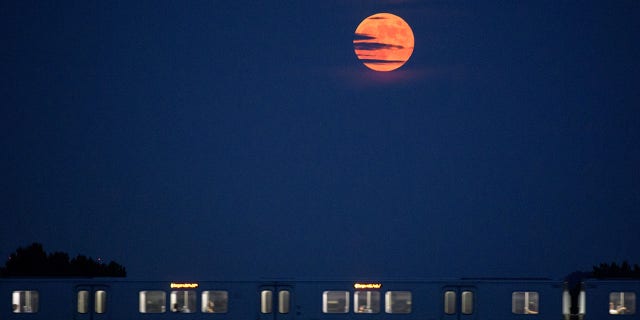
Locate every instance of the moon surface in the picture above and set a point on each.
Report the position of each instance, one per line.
(383, 42)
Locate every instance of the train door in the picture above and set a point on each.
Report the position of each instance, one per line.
(91, 302)
(459, 303)
(275, 302)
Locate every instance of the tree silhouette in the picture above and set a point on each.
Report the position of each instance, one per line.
(34, 261)
(613, 270)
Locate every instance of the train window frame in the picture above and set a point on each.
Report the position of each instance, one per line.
(398, 302)
(328, 298)
(25, 301)
(219, 300)
(366, 301)
(622, 303)
(144, 303)
(521, 302)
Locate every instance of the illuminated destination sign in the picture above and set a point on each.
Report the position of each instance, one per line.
(367, 285)
(175, 285)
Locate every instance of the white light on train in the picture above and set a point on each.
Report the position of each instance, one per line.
(367, 285)
(175, 285)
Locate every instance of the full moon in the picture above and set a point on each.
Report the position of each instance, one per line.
(383, 42)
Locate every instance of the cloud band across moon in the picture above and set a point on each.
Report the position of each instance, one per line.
(375, 46)
(383, 42)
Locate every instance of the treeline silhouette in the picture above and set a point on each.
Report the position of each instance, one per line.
(33, 261)
(613, 270)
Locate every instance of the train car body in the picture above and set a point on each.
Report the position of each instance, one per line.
(118, 299)
(611, 299)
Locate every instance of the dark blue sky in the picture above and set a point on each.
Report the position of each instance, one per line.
(213, 139)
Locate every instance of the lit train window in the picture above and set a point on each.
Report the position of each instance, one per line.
(25, 301)
(527, 302)
(450, 302)
(100, 305)
(366, 302)
(183, 301)
(266, 301)
(215, 301)
(622, 303)
(397, 302)
(466, 301)
(153, 301)
(83, 301)
(283, 301)
(335, 302)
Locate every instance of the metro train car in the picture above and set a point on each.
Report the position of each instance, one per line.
(457, 299)
(120, 299)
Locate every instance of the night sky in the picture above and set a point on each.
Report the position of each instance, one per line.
(244, 139)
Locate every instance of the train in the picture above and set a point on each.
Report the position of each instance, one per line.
(289, 299)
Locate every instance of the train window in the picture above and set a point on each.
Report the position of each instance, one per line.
(283, 301)
(466, 301)
(183, 301)
(366, 302)
(100, 305)
(153, 301)
(25, 301)
(526, 302)
(397, 302)
(622, 303)
(450, 302)
(215, 301)
(335, 302)
(266, 301)
(83, 301)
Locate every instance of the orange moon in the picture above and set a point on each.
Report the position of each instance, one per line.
(383, 42)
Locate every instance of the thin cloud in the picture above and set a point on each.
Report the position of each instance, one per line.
(363, 36)
(374, 46)
(378, 61)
